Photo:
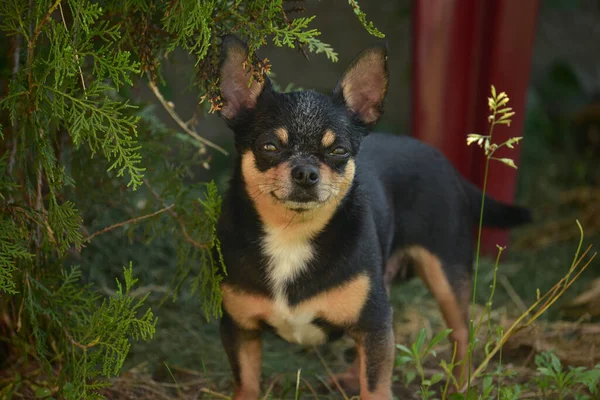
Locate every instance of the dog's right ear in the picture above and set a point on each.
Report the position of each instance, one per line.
(237, 92)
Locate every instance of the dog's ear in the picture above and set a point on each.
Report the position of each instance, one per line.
(237, 92)
(364, 84)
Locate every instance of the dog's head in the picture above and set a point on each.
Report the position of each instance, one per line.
(297, 149)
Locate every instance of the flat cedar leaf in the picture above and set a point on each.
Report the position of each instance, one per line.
(362, 17)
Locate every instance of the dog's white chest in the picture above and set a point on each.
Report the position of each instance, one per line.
(288, 257)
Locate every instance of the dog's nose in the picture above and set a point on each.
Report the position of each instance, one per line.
(305, 175)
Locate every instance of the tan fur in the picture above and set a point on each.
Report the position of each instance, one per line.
(247, 310)
(340, 305)
(328, 138)
(383, 388)
(250, 357)
(282, 135)
(453, 309)
(274, 213)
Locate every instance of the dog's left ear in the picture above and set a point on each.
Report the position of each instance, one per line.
(364, 84)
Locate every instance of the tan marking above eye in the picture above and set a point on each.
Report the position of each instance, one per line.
(328, 138)
(282, 135)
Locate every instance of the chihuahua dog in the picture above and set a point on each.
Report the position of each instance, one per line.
(320, 217)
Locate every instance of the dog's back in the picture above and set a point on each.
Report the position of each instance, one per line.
(419, 199)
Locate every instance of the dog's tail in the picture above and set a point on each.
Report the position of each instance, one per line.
(495, 213)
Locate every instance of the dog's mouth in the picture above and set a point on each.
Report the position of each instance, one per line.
(300, 202)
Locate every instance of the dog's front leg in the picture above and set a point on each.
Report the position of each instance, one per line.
(244, 350)
(376, 357)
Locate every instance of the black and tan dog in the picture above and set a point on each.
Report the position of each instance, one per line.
(320, 217)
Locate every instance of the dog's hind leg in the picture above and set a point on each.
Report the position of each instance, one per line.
(453, 300)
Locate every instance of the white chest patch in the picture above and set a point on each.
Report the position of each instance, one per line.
(288, 257)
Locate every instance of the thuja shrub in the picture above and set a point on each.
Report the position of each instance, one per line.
(71, 138)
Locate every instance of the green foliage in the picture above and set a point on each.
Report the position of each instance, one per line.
(362, 17)
(554, 379)
(13, 247)
(411, 360)
(102, 337)
(81, 161)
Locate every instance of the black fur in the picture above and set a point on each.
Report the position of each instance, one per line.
(405, 193)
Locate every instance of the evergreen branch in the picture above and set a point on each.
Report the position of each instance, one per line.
(129, 221)
(39, 27)
(15, 127)
(118, 144)
(362, 17)
(39, 206)
(31, 47)
(77, 344)
(180, 122)
(76, 56)
(177, 218)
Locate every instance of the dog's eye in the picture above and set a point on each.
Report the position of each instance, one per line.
(269, 147)
(339, 151)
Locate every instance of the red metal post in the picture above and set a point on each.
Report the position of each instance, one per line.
(460, 48)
